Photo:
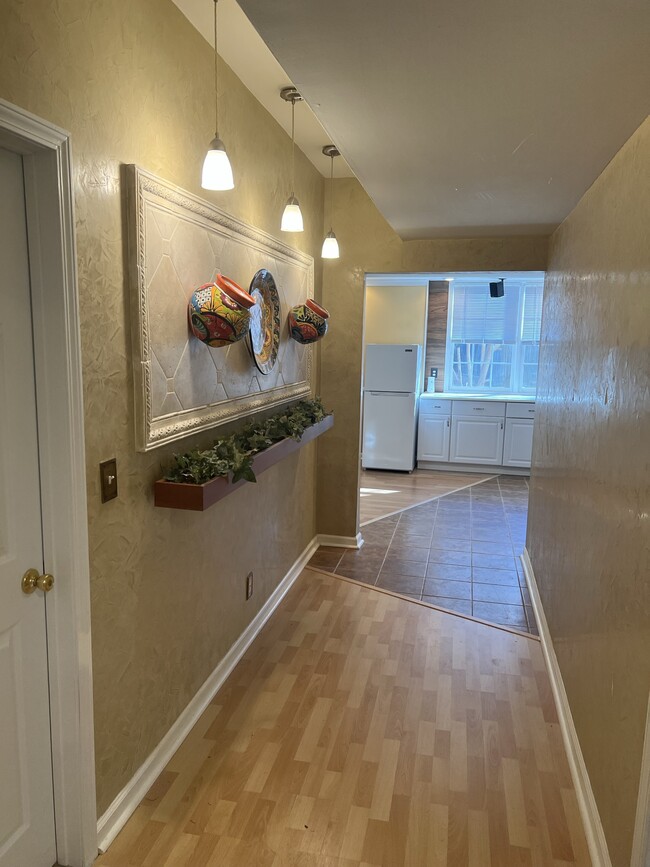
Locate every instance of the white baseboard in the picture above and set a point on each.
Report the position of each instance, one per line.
(447, 467)
(587, 803)
(641, 839)
(126, 802)
(340, 541)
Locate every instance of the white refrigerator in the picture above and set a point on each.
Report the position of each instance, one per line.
(390, 400)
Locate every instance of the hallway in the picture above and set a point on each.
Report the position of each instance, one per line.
(365, 729)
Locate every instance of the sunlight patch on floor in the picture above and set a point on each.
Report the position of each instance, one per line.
(378, 491)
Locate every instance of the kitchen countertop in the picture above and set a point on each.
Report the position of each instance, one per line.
(448, 395)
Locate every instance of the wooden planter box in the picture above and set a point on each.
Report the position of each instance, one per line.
(198, 498)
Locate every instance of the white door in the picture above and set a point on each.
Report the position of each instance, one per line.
(389, 425)
(26, 799)
(433, 437)
(476, 441)
(518, 444)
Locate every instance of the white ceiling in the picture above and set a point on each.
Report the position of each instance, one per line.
(467, 117)
(247, 55)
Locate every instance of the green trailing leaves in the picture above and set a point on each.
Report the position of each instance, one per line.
(234, 454)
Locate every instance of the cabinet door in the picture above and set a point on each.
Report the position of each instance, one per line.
(433, 438)
(476, 440)
(518, 445)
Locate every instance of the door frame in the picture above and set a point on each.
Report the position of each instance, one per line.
(57, 358)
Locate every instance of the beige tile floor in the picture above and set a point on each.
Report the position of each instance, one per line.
(459, 551)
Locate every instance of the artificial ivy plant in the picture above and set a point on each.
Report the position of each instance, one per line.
(234, 454)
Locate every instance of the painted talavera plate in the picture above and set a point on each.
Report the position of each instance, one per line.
(264, 332)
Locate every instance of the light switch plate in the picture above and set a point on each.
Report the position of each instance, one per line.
(108, 479)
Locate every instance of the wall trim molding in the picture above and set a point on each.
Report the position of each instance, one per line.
(47, 164)
(340, 541)
(586, 801)
(126, 802)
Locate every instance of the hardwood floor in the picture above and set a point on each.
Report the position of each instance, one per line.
(383, 493)
(365, 730)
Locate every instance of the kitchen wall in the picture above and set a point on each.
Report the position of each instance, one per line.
(131, 80)
(588, 530)
(369, 245)
(396, 314)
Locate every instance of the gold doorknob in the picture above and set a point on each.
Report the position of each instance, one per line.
(32, 579)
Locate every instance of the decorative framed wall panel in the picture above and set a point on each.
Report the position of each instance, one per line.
(176, 243)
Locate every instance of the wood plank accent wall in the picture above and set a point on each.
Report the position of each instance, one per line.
(437, 330)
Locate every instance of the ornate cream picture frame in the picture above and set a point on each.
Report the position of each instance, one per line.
(176, 243)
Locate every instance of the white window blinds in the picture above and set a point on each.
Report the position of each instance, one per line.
(532, 313)
(477, 318)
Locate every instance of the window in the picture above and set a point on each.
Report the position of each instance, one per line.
(493, 343)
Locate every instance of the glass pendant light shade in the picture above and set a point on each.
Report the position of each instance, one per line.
(217, 171)
(292, 216)
(330, 247)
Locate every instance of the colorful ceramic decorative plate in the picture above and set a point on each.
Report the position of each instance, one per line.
(265, 321)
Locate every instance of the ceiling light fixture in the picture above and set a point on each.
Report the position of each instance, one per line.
(292, 216)
(330, 244)
(217, 171)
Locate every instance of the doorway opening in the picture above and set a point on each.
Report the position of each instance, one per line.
(447, 408)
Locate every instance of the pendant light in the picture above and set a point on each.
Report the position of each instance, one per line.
(330, 244)
(292, 216)
(217, 171)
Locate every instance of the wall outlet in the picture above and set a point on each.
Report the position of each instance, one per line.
(249, 585)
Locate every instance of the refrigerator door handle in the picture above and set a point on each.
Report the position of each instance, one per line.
(405, 393)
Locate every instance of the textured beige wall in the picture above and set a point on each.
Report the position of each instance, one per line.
(368, 244)
(131, 80)
(588, 533)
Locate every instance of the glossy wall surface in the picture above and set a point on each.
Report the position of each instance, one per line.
(589, 525)
(131, 80)
(369, 245)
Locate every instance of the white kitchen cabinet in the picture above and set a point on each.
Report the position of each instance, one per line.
(476, 440)
(434, 433)
(518, 443)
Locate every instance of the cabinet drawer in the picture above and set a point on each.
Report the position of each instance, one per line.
(520, 410)
(432, 406)
(477, 408)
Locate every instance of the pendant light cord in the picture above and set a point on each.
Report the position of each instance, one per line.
(331, 190)
(216, 76)
(293, 146)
